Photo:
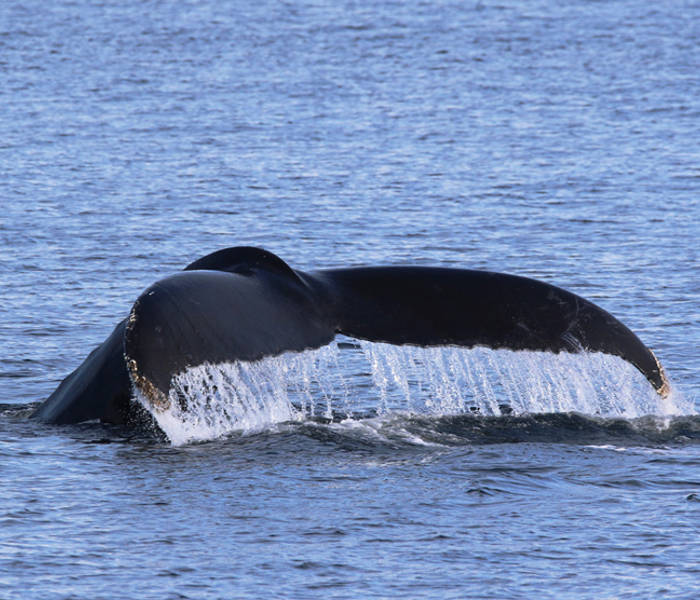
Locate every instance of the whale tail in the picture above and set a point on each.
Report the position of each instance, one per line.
(242, 304)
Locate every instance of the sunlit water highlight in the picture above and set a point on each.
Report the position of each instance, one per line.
(210, 401)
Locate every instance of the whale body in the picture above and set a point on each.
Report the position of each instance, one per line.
(245, 303)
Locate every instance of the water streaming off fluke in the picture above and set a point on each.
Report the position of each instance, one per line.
(351, 378)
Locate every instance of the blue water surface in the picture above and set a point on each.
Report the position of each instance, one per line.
(556, 140)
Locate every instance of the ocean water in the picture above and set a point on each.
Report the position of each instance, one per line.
(548, 139)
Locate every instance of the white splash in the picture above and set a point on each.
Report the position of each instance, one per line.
(209, 401)
(449, 380)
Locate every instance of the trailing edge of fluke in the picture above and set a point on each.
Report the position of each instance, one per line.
(244, 303)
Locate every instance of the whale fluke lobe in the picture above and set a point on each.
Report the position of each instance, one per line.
(198, 317)
(243, 304)
(428, 306)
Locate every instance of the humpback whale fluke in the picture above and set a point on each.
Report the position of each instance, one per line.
(244, 303)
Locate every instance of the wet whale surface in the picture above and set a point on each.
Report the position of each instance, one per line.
(545, 140)
(239, 307)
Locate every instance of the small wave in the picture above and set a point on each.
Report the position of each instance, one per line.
(560, 428)
(406, 430)
(18, 411)
(370, 431)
